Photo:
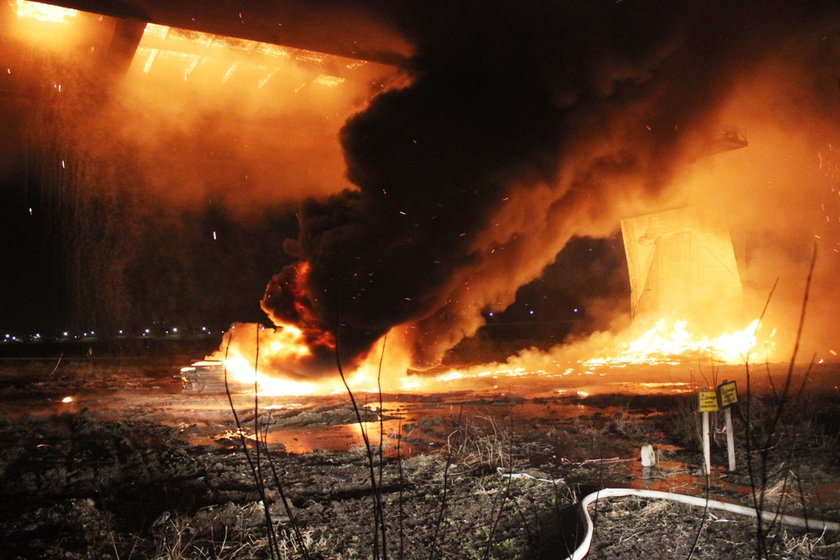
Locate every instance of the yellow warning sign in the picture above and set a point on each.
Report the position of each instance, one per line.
(727, 393)
(707, 400)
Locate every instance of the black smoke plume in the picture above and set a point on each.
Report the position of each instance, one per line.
(526, 123)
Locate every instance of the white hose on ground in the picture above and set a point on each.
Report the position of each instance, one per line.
(583, 549)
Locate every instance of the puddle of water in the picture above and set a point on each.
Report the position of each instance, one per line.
(415, 427)
(416, 423)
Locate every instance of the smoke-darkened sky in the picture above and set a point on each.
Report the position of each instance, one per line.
(526, 126)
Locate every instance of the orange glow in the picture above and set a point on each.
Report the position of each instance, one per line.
(283, 110)
(673, 342)
(44, 12)
(281, 363)
(224, 56)
(62, 30)
(242, 371)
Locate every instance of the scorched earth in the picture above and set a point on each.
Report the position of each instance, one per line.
(109, 458)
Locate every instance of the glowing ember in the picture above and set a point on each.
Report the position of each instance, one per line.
(67, 400)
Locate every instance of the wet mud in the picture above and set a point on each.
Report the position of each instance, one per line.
(114, 461)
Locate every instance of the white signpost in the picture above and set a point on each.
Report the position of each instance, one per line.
(707, 402)
(727, 396)
(712, 400)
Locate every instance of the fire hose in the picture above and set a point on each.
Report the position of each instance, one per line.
(583, 549)
(792, 520)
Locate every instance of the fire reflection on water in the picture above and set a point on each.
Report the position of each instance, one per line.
(420, 421)
(408, 428)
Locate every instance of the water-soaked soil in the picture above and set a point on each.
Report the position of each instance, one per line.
(133, 468)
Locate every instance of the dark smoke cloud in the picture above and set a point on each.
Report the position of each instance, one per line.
(526, 124)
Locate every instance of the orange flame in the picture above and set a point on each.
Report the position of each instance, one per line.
(279, 364)
(673, 342)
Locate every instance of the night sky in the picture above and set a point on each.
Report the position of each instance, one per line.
(174, 273)
(182, 276)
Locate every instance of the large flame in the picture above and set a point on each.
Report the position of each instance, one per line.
(274, 360)
(278, 361)
(673, 342)
(667, 343)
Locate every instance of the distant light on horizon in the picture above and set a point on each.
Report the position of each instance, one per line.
(36, 336)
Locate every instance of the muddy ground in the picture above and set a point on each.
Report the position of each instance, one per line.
(134, 469)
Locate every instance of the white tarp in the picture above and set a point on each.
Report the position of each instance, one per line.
(681, 263)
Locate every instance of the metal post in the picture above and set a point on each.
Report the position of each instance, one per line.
(730, 438)
(707, 450)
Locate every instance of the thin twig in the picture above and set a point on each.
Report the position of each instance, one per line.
(274, 549)
(442, 510)
(401, 490)
(381, 419)
(703, 517)
(57, 364)
(792, 453)
(750, 434)
(379, 522)
(505, 494)
(284, 499)
(780, 400)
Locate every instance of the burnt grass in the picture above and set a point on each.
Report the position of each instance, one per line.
(130, 476)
